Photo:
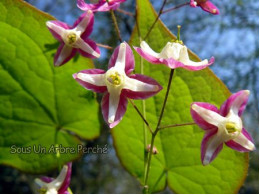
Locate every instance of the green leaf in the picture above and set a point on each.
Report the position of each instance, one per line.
(178, 163)
(38, 102)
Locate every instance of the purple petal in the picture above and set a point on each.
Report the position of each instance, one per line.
(60, 24)
(210, 147)
(234, 144)
(66, 182)
(199, 120)
(63, 54)
(46, 179)
(195, 68)
(147, 56)
(129, 59)
(172, 63)
(93, 45)
(209, 7)
(101, 6)
(87, 26)
(89, 86)
(142, 94)
(236, 101)
(193, 3)
(120, 110)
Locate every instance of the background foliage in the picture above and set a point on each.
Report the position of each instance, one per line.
(233, 39)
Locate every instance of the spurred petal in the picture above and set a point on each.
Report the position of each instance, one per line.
(147, 56)
(57, 28)
(209, 7)
(87, 48)
(93, 47)
(63, 54)
(243, 143)
(123, 57)
(85, 24)
(141, 87)
(102, 5)
(58, 182)
(194, 66)
(66, 181)
(92, 79)
(237, 102)
(205, 115)
(193, 3)
(120, 110)
(211, 145)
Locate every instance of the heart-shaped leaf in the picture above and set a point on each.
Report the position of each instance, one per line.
(178, 162)
(40, 106)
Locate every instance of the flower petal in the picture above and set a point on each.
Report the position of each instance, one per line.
(92, 79)
(147, 56)
(236, 102)
(66, 181)
(86, 47)
(112, 108)
(100, 6)
(93, 45)
(205, 115)
(141, 87)
(209, 7)
(123, 58)
(210, 147)
(191, 65)
(85, 24)
(243, 143)
(57, 183)
(63, 54)
(57, 28)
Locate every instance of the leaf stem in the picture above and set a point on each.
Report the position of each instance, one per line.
(116, 25)
(104, 46)
(176, 125)
(140, 114)
(125, 12)
(175, 7)
(158, 16)
(148, 162)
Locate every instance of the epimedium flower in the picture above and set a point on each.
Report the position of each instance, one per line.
(74, 39)
(222, 126)
(174, 55)
(99, 5)
(60, 185)
(118, 84)
(206, 5)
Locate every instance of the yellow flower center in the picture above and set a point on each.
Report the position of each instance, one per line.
(231, 127)
(71, 38)
(42, 190)
(115, 78)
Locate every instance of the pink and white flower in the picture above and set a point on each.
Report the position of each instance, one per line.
(99, 6)
(74, 39)
(206, 5)
(222, 126)
(59, 185)
(118, 84)
(174, 55)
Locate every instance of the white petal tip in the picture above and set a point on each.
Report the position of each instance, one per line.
(247, 92)
(48, 24)
(79, 75)
(206, 161)
(251, 146)
(111, 120)
(97, 55)
(122, 45)
(194, 106)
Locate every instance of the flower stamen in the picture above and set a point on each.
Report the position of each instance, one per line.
(114, 79)
(71, 38)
